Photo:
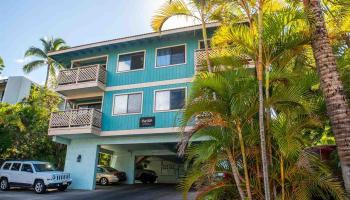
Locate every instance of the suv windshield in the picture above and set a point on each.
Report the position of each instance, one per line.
(43, 167)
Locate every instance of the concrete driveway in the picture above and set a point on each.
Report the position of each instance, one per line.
(120, 192)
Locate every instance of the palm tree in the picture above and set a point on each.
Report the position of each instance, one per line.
(259, 71)
(233, 115)
(202, 11)
(49, 44)
(2, 65)
(336, 102)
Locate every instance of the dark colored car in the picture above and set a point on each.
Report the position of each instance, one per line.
(145, 175)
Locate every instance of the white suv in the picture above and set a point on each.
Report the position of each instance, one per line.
(32, 174)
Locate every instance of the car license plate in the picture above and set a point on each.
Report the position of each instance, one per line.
(64, 183)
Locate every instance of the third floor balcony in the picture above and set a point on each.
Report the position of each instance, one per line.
(200, 59)
(83, 80)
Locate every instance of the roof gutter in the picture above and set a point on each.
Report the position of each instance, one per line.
(131, 38)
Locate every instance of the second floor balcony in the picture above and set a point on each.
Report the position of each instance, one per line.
(82, 80)
(76, 121)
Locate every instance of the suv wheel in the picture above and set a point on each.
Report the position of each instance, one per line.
(39, 187)
(104, 181)
(4, 184)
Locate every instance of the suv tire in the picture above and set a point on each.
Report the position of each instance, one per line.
(104, 181)
(4, 184)
(39, 187)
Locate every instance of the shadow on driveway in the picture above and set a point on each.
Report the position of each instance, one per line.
(120, 192)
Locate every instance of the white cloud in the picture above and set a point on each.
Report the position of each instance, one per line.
(23, 60)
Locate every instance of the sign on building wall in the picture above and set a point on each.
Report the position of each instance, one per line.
(147, 121)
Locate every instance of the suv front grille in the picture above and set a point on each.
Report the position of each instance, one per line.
(62, 177)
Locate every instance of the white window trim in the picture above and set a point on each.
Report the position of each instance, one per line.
(199, 43)
(167, 89)
(89, 58)
(156, 52)
(121, 114)
(144, 61)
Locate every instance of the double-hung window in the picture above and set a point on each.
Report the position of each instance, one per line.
(131, 61)
(171, 56)
(127, 104)
(173, 99)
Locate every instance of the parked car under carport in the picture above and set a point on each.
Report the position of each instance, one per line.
(107, 175)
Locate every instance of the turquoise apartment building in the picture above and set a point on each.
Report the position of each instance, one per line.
(124, 99)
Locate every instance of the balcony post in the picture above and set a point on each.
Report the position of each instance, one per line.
(50, 124)
(70, 118)
(98, 72)
(77, 78)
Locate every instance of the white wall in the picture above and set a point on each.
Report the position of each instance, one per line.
(168, 172)
(17, 88)
(83, 172)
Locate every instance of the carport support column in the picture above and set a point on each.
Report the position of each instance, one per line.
(81, 161)
(125, 161)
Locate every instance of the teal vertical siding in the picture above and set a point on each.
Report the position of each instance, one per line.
(127, 122)
(150, 73)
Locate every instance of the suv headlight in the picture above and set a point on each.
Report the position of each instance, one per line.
(51, 178)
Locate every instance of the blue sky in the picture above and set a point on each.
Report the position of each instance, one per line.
(23, 22)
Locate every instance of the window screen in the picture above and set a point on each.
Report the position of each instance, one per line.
(170, 99)
(132, 61)
(127, 103)
(171, 56)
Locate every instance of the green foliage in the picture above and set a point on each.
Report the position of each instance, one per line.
(224, 103)
(2, 65)
(24, 128)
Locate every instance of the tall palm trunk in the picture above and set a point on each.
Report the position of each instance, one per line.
(244, 158)
(235, 173)
(205, 37)
(47, 75)
(282, 177)
(336, 103)
(261, 105)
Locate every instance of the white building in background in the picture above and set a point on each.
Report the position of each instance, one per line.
(14, 89)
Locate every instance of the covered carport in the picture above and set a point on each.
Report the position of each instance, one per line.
(134, 159)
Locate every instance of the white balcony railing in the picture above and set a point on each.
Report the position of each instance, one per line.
(200, 57)
(82, 74)
(88, 117)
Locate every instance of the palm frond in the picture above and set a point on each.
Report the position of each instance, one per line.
(59, 44)
(29, 67)
(37, 52)
(168, 10)
(2, 65)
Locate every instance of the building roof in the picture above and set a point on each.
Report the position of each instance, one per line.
(132, 38)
